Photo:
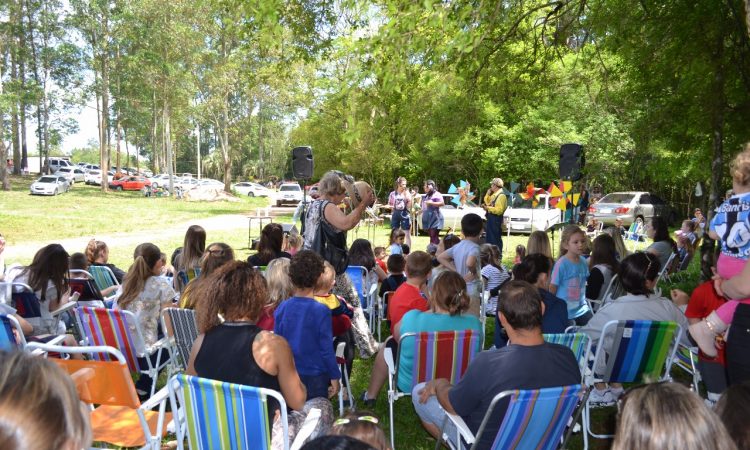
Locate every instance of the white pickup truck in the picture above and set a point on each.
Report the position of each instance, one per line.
(521, 217)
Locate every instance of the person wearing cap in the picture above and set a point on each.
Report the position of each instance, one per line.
(495, 203)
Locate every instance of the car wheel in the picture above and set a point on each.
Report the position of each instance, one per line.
(55, 193)
(118, 188)
(278, 203)
(251, 194)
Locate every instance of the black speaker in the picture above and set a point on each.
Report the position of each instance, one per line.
(572, 161)
(302, 163)
(289, 228)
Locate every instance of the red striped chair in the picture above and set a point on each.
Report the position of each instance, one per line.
(439, 354)
(120, 329)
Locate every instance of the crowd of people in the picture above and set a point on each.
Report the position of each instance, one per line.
(275, 320)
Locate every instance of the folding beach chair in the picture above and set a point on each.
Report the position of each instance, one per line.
(358, 275)
(180, 326)
(640, 351)
(88, 291)
(345, 385)
(121, 330)
(534, 419)
(636, 233)
(438, 354)
(117, 415)
(578, 343)
(217, 415)
(383, 312)
(103, 276)
(11, 335)
(686, 359)
(28, 306)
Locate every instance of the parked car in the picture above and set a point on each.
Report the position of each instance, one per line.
(452, 212)
(289, 193)
(185, 183)
(73, 174)
(50, 185)
(130, 183)
(251, 189)
(210, 182)
(161, 180)
(523, 217)
(630, 206)
(55, 163)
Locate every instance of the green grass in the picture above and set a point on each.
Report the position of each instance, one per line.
(86, 212)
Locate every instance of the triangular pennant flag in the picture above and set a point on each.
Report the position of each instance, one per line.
(507, 192)
(456, 200)
(536, 197)
(554, 191)
(553, 202)
(562, 205)
(567, 186)
(576, 197)
(463, 183)
(513, 186)
(530, 189)
(534, 203)
(453, 189)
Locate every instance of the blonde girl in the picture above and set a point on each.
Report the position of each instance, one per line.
(279, 289)
(569, 275)
(539, 243)
(188, 259)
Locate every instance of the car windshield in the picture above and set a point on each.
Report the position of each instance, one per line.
(519, 202)
(290, 187)
(617, 197)
(48, 180)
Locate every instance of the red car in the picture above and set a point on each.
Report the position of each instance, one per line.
(129, 184)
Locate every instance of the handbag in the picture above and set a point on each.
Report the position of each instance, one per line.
(330, 244)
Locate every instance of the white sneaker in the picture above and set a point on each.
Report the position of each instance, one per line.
(599, 398)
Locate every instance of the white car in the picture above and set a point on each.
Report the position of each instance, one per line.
(94, 177)
(73, 174)
(49, 185)
(251, 189)
(452, 213)
(523, 217)
(289, 193)
(210, 182)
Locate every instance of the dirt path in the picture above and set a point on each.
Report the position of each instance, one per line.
(26, 250)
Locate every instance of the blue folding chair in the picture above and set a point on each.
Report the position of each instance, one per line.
(578, 343)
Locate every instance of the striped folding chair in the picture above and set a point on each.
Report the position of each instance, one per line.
(219, 415)
(437, 354)
(579, 343)
(103, 276)
(28, 306)
(117, 415)
(358, 275)
(686, 359)
(632, 351)
(120, 329)
(535, 418)
(179, 324)
(11, 335)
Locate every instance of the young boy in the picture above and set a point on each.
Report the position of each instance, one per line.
(380, 255)
(396, 265)
(464, 258)
(410, 295)
(341, 313)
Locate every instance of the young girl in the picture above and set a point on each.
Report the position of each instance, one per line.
(493, 272)
(188, 258)
(397, 240)
(279, 289)
(145, 293)
(730, 225)
(603, 266)
(539, 243)
(570, 273)
(293, 244)
(520, 254)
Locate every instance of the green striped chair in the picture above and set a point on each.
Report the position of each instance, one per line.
(641, 351)
(103, 276)
(534, 419)
(218, 415)
(578, 343)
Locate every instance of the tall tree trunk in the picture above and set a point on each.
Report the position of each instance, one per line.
(261, 141)
(154, 124)
(4, 181)
(22, 79)
(168, 143)
(227, 162)
(41, 104)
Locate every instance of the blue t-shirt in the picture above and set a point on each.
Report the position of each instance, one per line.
(554, 319)
(306, 325)
(732, 224)
(570, 279)
(396, 249)
(460, 254)
(417, 321)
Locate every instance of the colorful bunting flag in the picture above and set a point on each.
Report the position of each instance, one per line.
(554, 191)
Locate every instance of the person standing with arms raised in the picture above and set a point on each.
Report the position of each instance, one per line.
(400, 199)
(495, 203)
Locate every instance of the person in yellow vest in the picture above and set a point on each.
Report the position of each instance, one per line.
(495, 203)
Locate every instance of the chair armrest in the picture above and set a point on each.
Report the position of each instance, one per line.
(463, 429)
(159, 397)
(163, 342)
(311, 422)
(65, 307)
(388, 356)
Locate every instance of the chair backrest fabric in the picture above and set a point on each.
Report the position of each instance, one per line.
(221, 415)
(8, 339)
(358, 275)
(109, 382)
(109, 327)
(184, 330)
(578, 343)
(87, 289)
(441, 354)
(536, 418)
(641, 349)
(103, 277)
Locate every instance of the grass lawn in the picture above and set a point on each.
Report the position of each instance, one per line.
(86, 212)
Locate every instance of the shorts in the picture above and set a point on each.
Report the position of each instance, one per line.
(431, 412)
(400, 219)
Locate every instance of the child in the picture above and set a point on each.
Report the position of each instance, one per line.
(464, 258)
(570, 273)
(396, 265)
(684, 250)
(293, 244)
(396, 241)
(80, 283)
(341, 313)
(520, 254)
(687, 230)
(539, 243)
(493, 272)
(603, 266)
(306, 325)
(730, 225)
(380, 255)
(361, 425)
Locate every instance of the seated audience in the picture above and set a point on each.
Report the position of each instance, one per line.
(464, 258)
(621, 252)
(187, 258)
(603, 266)
(279, 289)
(687, 230)
(380, 258)
(668, 416)
(397, 241)
(361, 254)
(529, 363)
(306, 325)
(39, 406)
(269, 246)
(341, 313)
(362, 425)
(520, 253)
(293, 244)
(493, 272)
(336, 443)
(396, 277)
(88, 293)
(535, 269)
(97, 254)
(638, 273)
(409, 296)
(539, 243)
(663, 245)
(216, 255)
(235, 350)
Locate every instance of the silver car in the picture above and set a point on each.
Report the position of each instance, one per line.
(452, 212)
(629, 206)
(50, 185)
